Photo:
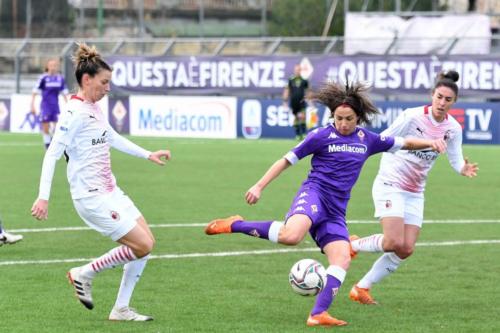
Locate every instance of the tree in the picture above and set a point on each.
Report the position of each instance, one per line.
(297, 17)
(308, 17)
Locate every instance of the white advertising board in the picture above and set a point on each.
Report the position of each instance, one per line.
(23, 121)
(180, 116)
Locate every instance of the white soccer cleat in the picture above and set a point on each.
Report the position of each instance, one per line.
(127, 314)
(8, 238)
(82, 285)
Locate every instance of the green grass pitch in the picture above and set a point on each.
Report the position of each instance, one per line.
(444, 287)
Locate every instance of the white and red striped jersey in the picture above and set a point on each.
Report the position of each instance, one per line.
(408, 169)
(85, 132)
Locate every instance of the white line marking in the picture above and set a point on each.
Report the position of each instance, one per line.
(234, 253)
(197, 225)
(452, 243)
(431, 221)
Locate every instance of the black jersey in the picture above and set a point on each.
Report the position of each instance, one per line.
(297, 87)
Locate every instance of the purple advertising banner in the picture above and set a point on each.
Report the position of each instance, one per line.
(479, 76)
(4, 114)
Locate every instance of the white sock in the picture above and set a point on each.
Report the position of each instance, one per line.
(274, 231)
(384, 266)
(131, 274)
(52, 129)
(120, 255)
(371, 243)
(46, 138)
(337, 272)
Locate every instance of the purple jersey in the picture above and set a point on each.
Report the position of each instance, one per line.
(336, 164)
(50, 87)
(337, 159)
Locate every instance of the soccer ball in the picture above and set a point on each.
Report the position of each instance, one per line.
(307, 277)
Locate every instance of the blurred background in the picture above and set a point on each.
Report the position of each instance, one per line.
(33, 30)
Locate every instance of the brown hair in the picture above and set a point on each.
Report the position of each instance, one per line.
(447, 79)
(352, 94)
(88, 61)
(46, 66)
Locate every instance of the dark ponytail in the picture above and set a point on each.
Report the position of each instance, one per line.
(447, 79)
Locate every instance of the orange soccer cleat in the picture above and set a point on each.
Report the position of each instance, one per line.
(324, 319)
(351, 239)
(222, 226)
(361, 295)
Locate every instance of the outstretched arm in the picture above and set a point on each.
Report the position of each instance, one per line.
(122, 144)
(438, 145)
(455, 155)
(253, 194)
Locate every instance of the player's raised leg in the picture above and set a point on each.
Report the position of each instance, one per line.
(290, 233)
(235, 224)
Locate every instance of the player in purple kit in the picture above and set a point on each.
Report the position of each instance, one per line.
(338, 151)
(50, 85)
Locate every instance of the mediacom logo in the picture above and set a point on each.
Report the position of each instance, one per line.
(354, 148)
(173, 116)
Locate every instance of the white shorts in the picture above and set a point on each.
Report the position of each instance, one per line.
(391, 201)
(112, 214)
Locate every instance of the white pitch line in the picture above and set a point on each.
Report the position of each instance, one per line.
(459, 221)
(452, 243)
(234, 253)
(197, 225)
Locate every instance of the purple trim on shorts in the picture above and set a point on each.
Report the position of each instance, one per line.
(287, 217)
(49, 117)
